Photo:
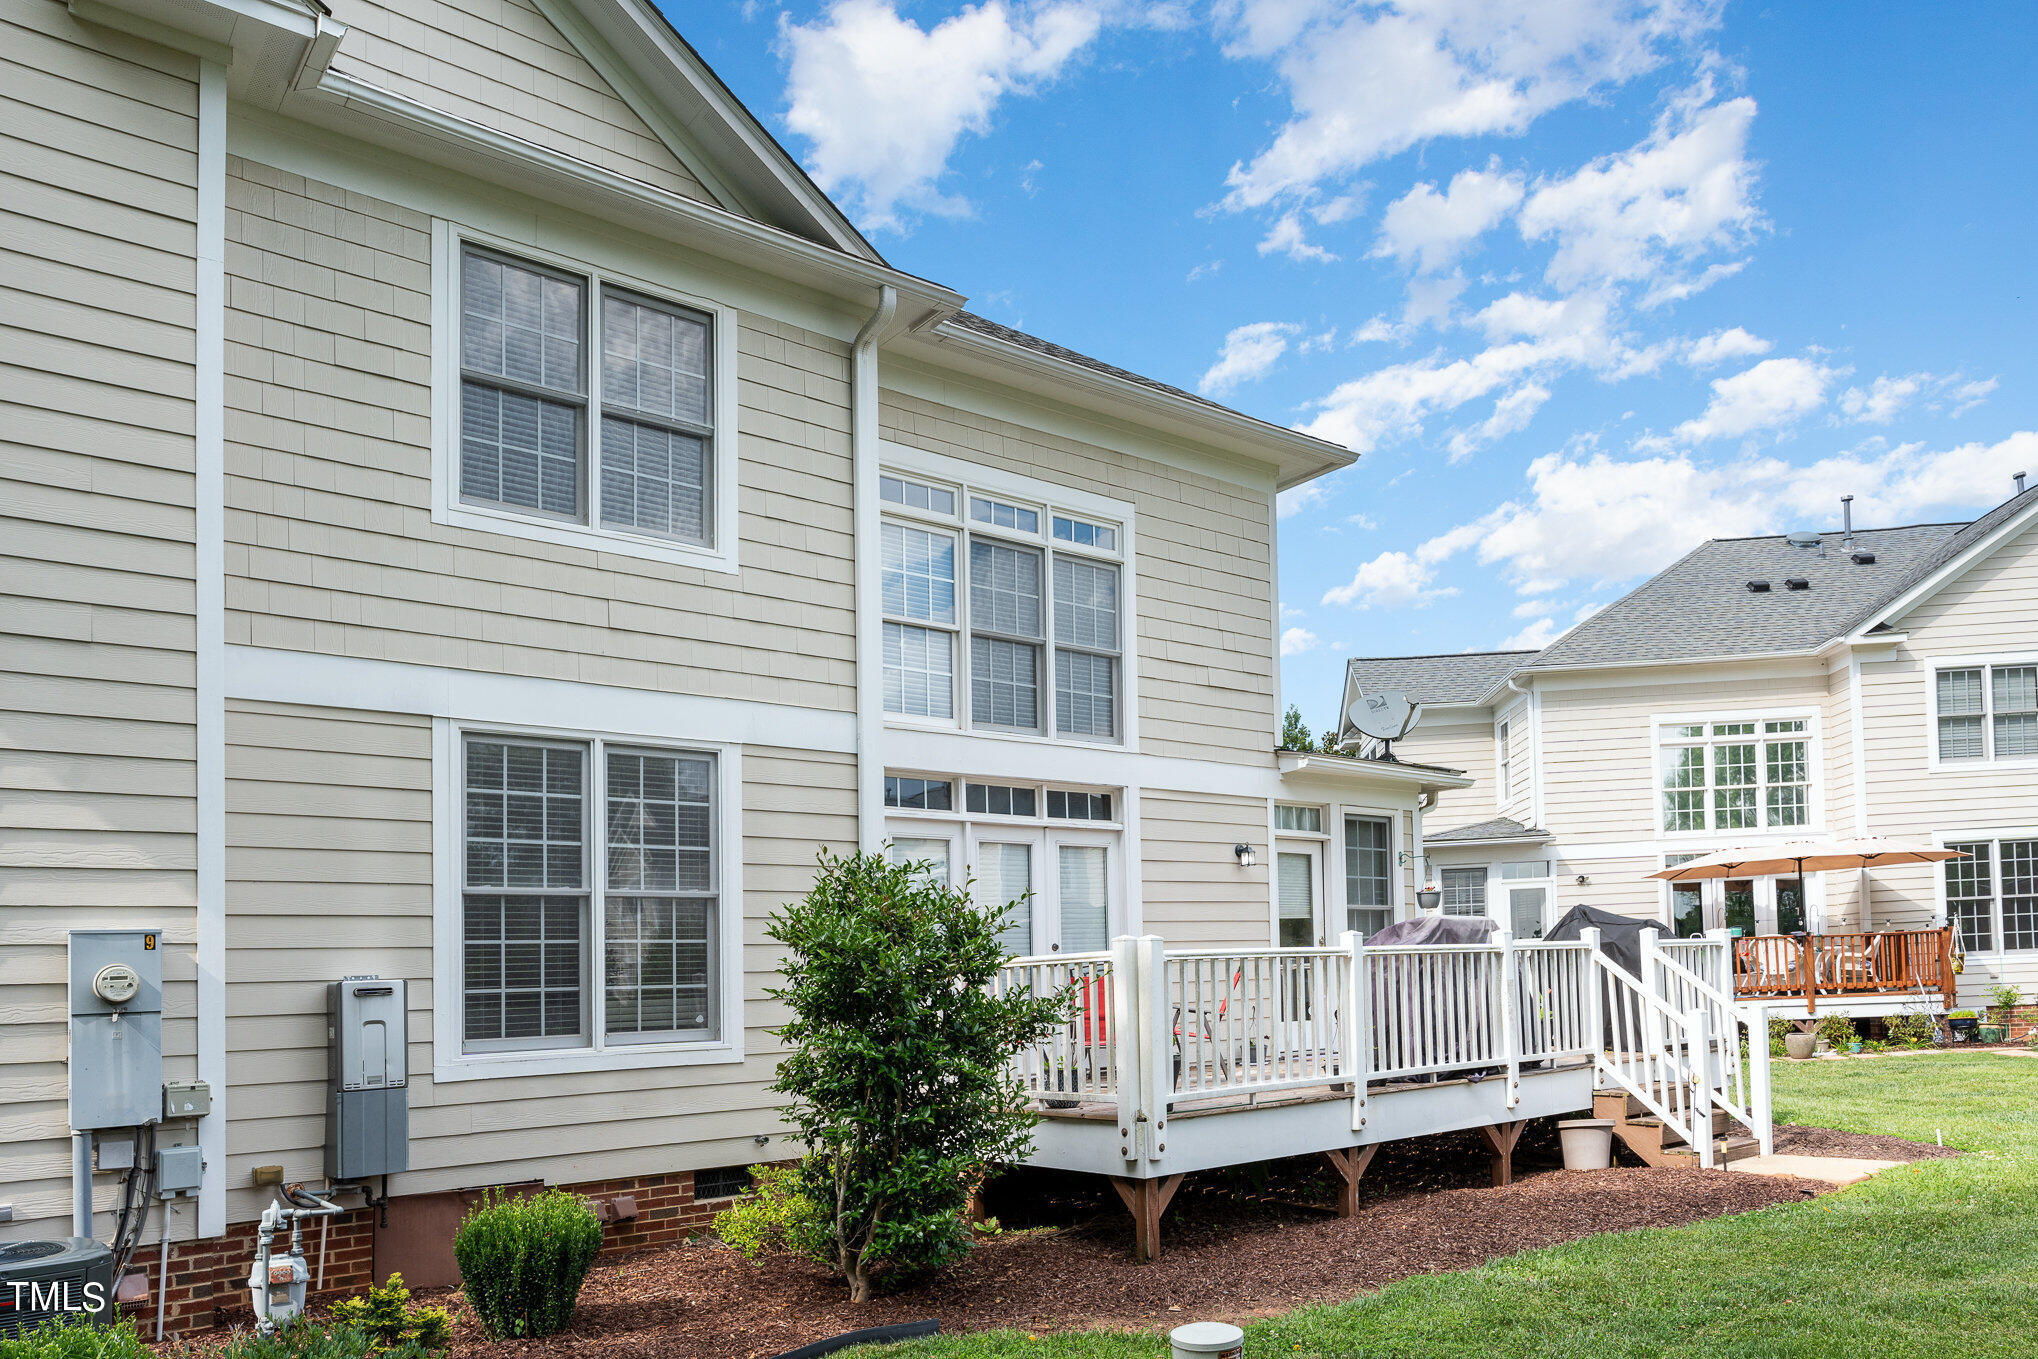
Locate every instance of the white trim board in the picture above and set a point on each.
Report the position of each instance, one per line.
(269, 675)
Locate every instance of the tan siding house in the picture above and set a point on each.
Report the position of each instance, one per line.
(1891, 691)
(513, 525)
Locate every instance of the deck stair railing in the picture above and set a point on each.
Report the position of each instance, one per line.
(1698, 974)
(1652, 1051)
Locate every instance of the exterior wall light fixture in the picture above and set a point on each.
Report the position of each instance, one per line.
(1244, 855)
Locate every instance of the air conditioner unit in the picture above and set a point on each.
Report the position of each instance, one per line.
(43, 1279)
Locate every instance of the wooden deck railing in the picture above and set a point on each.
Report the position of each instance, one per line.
(1837, 966)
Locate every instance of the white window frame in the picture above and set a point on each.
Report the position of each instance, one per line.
(966, 479)
(449, 1061)
(1397, 895)
(1987, 665)
(1660, 725)
(449, 241)
(1503, 762)
(1993, 836)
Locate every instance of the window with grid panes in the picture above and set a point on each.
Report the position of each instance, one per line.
(2019, 874)
(1739, 775)
(1987, 712)
(1369, 874)
(917, 585)
(1970, 896)
(1040, 642)
(1464, 891)
(659, 912)
(528, 441)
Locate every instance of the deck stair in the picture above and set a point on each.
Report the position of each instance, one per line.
(1660, 1144)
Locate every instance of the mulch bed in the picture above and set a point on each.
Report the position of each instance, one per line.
(1795, 1139)
(1233, 1244)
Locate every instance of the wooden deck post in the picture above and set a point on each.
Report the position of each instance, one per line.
(1146, 1200)
(1350, 1164)
(1806, 954)
(1500, 1139)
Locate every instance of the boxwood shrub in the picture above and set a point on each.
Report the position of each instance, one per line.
(523, 1260)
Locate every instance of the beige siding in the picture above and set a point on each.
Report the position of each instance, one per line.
(331, 547)
(98, 203)
(1455, 741)
(1987, 611)
(1599, 762)
(329, 866)
(1196, 894)
(502, 64)
(1206, 680)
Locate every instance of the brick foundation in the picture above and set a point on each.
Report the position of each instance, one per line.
(208, 1279)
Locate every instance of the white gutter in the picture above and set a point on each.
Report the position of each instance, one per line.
(1295, 762)
(863, 452)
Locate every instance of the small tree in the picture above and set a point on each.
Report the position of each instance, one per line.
(897, 1065)
(1294, 731)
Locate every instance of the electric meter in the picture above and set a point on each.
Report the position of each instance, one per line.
(116, 983)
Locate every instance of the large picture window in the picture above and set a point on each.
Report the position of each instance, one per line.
(1986, 712)
(1736, 775)
(1027, 639)
(547, 926)
(625, 443)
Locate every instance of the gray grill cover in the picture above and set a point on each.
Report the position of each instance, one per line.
(1620, 938)
(1436, 929)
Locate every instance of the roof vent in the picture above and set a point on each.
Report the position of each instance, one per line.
(1804, 538)
(1864, 558)
(1847, 521)
(1797, 583)
(1758, 587)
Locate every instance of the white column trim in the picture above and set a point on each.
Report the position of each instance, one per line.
(209, 580)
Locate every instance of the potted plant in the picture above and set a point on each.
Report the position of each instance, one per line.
(1800, 1042)
(1964, 1024)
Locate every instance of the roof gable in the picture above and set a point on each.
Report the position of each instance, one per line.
(1947, 562)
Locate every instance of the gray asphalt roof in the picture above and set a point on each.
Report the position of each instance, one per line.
(1700, 606)
(1499, 828)
(1464, 677)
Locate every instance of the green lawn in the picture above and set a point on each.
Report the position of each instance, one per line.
(1937, 1260)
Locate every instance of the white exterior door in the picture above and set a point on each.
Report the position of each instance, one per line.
(1005, 868)
(1082, 917)
(1298, 895)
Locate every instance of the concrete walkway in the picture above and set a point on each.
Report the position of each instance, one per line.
(1834, 1170)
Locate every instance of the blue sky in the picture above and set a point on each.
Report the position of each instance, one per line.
(1584, 281)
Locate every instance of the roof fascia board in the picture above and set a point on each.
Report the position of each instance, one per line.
(643, 39)
(1946, 574)
(1488, 841)
(1297, 457)
(1295, 762)
(1705, 669)
(107, 15)
(503, 158)
(913, 371)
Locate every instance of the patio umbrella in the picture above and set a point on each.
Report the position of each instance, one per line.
(1797, 856)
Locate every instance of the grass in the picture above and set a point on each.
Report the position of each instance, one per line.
(1937, 1260)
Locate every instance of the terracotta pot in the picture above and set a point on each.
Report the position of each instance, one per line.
(1800, 1045)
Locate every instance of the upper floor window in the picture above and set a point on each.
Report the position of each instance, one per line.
(1000, 615)
(1987, 712)
(1504, 758)
(1736, 775)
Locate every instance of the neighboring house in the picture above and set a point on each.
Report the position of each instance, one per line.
(1759, 690)
(477, 514)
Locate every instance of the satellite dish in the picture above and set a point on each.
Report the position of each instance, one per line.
(1384, 717)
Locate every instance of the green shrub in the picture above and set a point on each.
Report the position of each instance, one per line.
(1909, 1029)
(307, 1340)
(73, 1337)
(896, 1064)
(1778, 1027)
(2005, 998)
(777, 1216)
(523, 1260)
(390, 1322)
(1961, 1014)
(1837, 1031)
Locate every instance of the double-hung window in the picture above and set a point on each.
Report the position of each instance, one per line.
(1992, 895)
(1987, 712)
(583, 403)
(1464, 891)
(1736, 775)
(1027, 637)
(590, 907)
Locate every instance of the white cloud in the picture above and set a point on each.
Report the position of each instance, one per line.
(1880, 400)
(1589, 517)
(1207, 269)
(1366, 81)
(1295, 641)
(1968, 395)
(1774, 392)
(1534, 637)
(1392, 580)
(1723, 345)
(1365, 522)
(1289, 613)
(1650, 212)
(1429, 230)
(882, 102)
(1288, 237)
(1296, 499)
(1511, 414)
(1249, 353)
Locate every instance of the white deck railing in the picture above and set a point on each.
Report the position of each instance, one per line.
(1696, 976)
(1079, 1062)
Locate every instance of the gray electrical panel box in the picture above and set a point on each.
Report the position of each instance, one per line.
(368, 1099)
(116, 1028)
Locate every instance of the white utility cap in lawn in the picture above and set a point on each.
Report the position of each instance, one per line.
(1207, 1338)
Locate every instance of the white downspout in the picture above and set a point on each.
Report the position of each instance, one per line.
(1534, 714)
(863, 454)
